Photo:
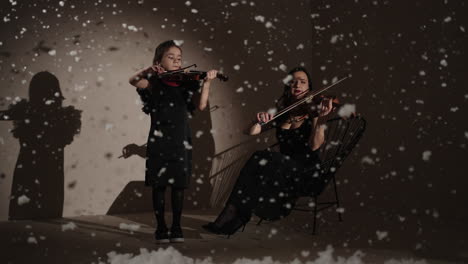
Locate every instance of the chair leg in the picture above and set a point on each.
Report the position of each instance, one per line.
(337, 199)
(259, 222)
(315, 215)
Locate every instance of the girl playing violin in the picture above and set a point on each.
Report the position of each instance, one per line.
(270, 182)
(169, 146)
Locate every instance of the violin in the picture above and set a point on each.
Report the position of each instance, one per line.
(308, 98)
(188, 75)
(310, 107)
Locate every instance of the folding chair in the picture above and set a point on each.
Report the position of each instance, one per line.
(341, 137)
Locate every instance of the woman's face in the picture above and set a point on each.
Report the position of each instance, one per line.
(299, 84)
(172, 59)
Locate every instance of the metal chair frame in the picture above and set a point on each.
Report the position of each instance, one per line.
(341, 136)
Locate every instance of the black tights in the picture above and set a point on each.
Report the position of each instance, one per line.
(177, 199)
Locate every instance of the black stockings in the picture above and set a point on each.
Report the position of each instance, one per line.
(177, 199)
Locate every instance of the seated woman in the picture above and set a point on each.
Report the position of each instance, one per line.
(270, 182)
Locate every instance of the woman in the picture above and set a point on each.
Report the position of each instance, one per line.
(169, 154)
(270, 182)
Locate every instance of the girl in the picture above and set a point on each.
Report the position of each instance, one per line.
(270, 182)
(169, 154)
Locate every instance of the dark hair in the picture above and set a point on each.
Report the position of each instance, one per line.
(163, 47)
(285, 98)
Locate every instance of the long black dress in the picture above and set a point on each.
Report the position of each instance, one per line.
(169, 146)
(270, 182)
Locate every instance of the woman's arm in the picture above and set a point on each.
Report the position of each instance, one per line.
(317, 135)
(205, 90)
(254, 128)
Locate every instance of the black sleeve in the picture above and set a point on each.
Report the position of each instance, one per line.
(145, 97)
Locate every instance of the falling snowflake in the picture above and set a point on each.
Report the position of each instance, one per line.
(367, 160)
(287, 79)
(161, 171)
(381, 234)
(346, 110)
(23, 199)
(334, 39)
(158, 133)
(272, 111)
(179, 42)
(198, 134)
(259, 18)
(426, 155)
(187, 145)
(129, 227)
(68, 226)
(282, 67)
(32, 240)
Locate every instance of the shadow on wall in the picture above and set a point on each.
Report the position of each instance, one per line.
(43, 128)
(136, 197)
(199, 192)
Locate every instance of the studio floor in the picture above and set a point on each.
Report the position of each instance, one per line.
(90, 239)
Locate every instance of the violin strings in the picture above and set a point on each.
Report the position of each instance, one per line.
(177, 71)
(307, 97)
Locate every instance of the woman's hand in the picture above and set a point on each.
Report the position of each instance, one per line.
(210, 75)
(325, 107)
(264, 117)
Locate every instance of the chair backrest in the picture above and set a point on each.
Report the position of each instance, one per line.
(341, 136)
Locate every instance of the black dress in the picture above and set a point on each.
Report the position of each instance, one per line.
(270, 182)
(169, 146)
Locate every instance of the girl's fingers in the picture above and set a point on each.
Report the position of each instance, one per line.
(212, 74)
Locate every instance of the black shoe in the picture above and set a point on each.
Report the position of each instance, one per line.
(228, 229)
(233, 226)
(212, 228)
(176, 235)
(161, 236)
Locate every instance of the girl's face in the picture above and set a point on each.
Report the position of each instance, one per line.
(172, 59)
(299, 84)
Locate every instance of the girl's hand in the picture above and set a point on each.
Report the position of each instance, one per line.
(264, 117)
(158, 69)
(210, 75)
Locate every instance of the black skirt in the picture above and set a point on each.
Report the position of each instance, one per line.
(270, 183)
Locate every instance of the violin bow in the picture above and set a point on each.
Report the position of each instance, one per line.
(301, 101)
(177, 71)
